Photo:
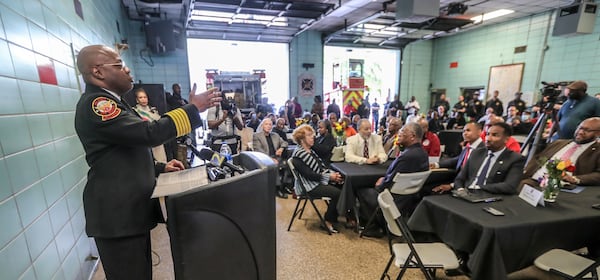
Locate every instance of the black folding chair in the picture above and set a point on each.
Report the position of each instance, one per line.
(303, 198)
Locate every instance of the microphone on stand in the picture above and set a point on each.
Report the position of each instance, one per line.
(218, 160)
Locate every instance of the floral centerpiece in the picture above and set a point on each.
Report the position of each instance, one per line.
(396, 146)
(551, 182)
(300, 121)
(338, 133)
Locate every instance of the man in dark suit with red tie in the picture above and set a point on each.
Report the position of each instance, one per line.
(494, 169)
(583, 151)
(472, 140)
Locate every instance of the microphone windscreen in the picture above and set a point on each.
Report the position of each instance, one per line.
(206, 154)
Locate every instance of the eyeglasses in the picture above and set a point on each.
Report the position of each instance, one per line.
(120, 64)
(587, 130)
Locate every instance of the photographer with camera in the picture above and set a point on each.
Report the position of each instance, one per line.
(222, 120)
(578, 107)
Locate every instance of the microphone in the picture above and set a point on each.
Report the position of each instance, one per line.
(218, 160)
(215, 173)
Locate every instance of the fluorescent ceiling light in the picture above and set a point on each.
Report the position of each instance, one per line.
(491, 15)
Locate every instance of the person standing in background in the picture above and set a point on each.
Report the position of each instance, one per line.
(496, 104)
(517, 102)
(149, 114)
(333, 108)
(317, 107)
(117, 202)
(375, 113)
(297, 108)
(578, 107)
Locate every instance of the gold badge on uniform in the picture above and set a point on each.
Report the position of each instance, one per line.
(105, 108)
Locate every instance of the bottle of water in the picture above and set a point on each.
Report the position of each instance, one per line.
(226, 151)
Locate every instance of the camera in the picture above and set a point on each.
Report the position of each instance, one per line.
(551, 90)
(228, 104)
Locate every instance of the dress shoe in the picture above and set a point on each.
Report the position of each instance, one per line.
(373, 232)
(350, 224)
(281, 194)
(332, 229)
(288, 190)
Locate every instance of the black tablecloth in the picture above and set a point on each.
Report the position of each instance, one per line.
(499, 245)
(356, 176)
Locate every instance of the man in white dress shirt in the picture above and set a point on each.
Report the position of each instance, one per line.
(365, 147)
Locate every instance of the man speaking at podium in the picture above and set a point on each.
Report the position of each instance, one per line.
(118, 209)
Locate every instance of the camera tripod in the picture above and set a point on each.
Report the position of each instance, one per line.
(532, 142)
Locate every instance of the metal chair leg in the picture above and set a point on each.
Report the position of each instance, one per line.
(370, 220)
(294, 215)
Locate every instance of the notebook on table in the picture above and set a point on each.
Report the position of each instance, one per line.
(475, 196)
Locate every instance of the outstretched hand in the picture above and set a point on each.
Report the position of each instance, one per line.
(204, 100)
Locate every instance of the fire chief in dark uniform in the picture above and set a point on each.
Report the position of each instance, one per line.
(118, 209)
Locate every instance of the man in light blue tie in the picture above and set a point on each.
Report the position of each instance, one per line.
(494, 169)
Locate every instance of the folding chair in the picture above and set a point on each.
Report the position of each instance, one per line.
(568, 265)
(305, 197)
(404, 184)
(426, 256)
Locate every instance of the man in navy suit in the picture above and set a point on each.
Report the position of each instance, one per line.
(494, 169)
(412, 159)
(472, 142)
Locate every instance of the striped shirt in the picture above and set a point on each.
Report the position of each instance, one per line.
(312, 161)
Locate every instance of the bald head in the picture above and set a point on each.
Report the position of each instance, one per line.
(587, 131)
(102, 66)
(496, 119)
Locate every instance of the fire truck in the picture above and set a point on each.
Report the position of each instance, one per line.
(352, 91)
(244, 88)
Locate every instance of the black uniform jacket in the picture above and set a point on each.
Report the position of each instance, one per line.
(122, 177)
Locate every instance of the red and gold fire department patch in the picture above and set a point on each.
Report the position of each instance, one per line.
(105, 108)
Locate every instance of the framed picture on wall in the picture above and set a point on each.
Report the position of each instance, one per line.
(506, 79)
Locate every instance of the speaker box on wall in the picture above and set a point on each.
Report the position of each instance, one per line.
(160, 36)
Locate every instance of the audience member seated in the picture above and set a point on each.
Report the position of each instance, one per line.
(583, 151)
(458, 122)
(313, 174)
(271, 144)
(365, 147)
(253, 122)
(355, 120)
(435, 122)
(314, 121)
(430, 141)
(324, 143)
(349, 131)
(281, 129)
(412, 159)
(511, 143)
(349, 109)
(394, 124)
(333, 118)
(489, 113)
(495, 169)
(472, 141)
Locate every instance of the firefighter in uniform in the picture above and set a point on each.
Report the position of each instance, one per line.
(117, 200)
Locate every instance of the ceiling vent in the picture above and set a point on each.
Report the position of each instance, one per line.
(417, 10)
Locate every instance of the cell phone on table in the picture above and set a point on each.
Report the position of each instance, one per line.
(596, 206)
